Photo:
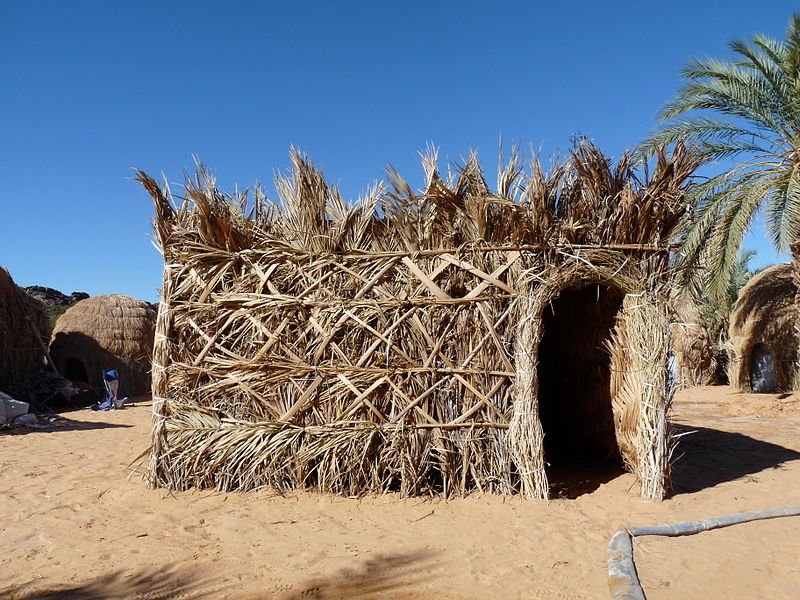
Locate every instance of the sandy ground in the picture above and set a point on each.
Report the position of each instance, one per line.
(73, 524)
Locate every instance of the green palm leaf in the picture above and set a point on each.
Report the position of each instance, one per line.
(745, 111)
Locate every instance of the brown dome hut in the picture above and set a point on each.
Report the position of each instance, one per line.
(763, 339)
(21, 317)
(106, 332)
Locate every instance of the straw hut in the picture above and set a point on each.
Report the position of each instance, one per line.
(763, 337)
(439, 342)
(691, 346)
(24, 325)
(106, 332)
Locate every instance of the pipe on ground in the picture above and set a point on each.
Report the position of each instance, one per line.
(623, 580)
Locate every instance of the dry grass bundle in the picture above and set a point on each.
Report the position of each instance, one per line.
(765, 316)
(642, 391)
(691, 346)
(21, 316)
(648, 333)
(106, 332)
(388, 344)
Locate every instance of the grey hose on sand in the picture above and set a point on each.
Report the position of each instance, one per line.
(622, 577)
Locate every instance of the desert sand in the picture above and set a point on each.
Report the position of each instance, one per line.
(74, 523)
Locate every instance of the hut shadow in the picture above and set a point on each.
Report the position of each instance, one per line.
(63, 425)
(708, 457)
(154, 583)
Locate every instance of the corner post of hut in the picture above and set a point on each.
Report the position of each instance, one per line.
(647, 325)
(525, 433)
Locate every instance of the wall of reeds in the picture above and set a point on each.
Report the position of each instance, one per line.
(391, 343)
(24, 329)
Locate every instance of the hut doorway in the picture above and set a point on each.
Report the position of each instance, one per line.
(574, 375)
(75, 371)
(762, 370)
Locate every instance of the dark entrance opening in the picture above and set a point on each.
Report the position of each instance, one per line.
(762, 370)
(575, 390)
(75, 371)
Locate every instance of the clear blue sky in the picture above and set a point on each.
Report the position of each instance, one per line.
(89, 90)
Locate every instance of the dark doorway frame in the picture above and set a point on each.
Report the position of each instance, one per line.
(574, 374)
(75, 370)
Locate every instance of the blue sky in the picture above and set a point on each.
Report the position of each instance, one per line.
(92, 89)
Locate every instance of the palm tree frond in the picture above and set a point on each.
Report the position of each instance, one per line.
(745, 111)
(730, 230)
(784, 210)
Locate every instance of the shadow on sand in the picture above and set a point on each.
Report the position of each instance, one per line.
(62, 424)
(371, 579)
(153, 583)
(708, 457)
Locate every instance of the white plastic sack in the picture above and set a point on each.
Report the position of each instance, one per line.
(10, 409)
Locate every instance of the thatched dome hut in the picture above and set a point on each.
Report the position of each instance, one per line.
(106, 332)
(438, 342)
(763, 336)
(21, 317)
(691, 346)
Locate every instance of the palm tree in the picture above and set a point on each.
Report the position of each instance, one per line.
(746, 111)
(717, 310)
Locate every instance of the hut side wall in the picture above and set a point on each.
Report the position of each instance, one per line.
(158, 471)
(414, 356)
(427, 362)
(21, 318)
